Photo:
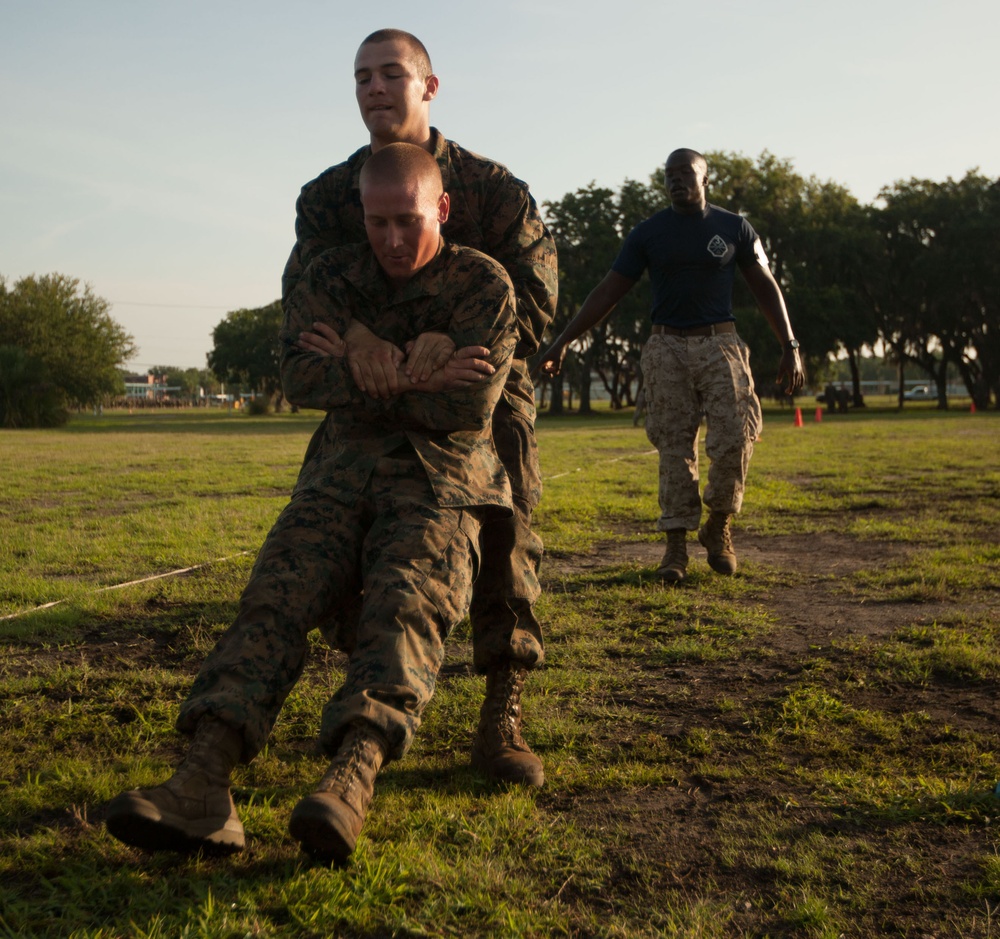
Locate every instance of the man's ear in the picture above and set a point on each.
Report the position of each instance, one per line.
(431, 87)
(444, 207)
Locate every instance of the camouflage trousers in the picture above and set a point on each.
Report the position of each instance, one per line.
(504, 625)
(411, 560)
(686, 378)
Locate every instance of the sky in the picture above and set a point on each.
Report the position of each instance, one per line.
(154, 150)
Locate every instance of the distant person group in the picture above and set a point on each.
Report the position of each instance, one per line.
(421, 280)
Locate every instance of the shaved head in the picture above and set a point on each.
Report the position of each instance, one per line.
(686, 155)
(401, 164)
(418, 51)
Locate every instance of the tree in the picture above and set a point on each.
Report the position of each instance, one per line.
(937, 296)
(588, 226)
(27, 397)
(247, 350)
(817, 238)
(827, 271)
(65, 332)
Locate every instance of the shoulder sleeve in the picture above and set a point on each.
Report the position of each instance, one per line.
(632, 259)
(311, 380)
(749, 250)
(515, 235)
(326, 216)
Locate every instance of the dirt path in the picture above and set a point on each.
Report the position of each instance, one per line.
(673, 833)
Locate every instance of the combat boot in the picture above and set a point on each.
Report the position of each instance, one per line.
(673, 567)
(193, 810)
(718, 541)
(499, 750)
(328, 822)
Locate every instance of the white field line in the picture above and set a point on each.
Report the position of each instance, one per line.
(195, 567)
(617, 459)
(130, 583)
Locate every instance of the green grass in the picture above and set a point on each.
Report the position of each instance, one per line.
(725, 759)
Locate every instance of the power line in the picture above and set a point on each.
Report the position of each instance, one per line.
(168, 306)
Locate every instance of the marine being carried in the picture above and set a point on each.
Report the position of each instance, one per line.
(385, 520)
(492, 211)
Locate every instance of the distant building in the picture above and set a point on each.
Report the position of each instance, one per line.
(149, 387)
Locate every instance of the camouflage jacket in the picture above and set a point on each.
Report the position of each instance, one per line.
(461, 292)
(491, 211)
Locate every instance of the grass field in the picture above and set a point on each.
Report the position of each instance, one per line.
(809, 748)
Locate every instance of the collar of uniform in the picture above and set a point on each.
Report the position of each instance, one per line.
(704, 213)
(442, 154)
(439, 151)
(365, 274)
(357, 161)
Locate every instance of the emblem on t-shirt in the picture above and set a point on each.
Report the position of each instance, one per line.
(717, 247)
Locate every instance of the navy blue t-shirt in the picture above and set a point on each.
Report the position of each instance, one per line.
(692, 261)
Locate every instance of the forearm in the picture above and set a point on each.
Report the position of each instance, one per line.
(309, 378)
(470, 408)
(442, 408)
(323, 382)
(536, 286)
(770, 301)
(596, 308)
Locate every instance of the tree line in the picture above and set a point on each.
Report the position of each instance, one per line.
(914, 277)
(59, 348)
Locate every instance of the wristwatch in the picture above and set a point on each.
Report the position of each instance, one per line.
(791, 345)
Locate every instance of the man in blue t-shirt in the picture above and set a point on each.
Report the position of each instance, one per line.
(694, 363)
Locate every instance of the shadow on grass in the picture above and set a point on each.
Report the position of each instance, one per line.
(218, 423)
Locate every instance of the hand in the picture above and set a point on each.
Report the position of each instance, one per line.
(322, 340)
(467, 366)
(426, 354)
(790, 370)
(551, 361)
(373, 361)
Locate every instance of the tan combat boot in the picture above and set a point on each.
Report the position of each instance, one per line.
(718, 541)
(499, 750)
(673, 567)
(328, 822)
(193, 810)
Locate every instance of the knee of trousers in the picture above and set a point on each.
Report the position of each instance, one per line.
(511, 558)
(514, 440)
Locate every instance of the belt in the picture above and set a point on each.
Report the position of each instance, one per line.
(712, 330)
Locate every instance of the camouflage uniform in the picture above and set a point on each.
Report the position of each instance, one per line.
(686, 377)
(491, 211)
(388, 508)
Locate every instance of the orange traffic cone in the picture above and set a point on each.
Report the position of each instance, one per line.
(819, 415)
(972, 408)
(798, 417)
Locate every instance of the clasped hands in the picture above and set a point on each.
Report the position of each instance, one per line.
(381, 369)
